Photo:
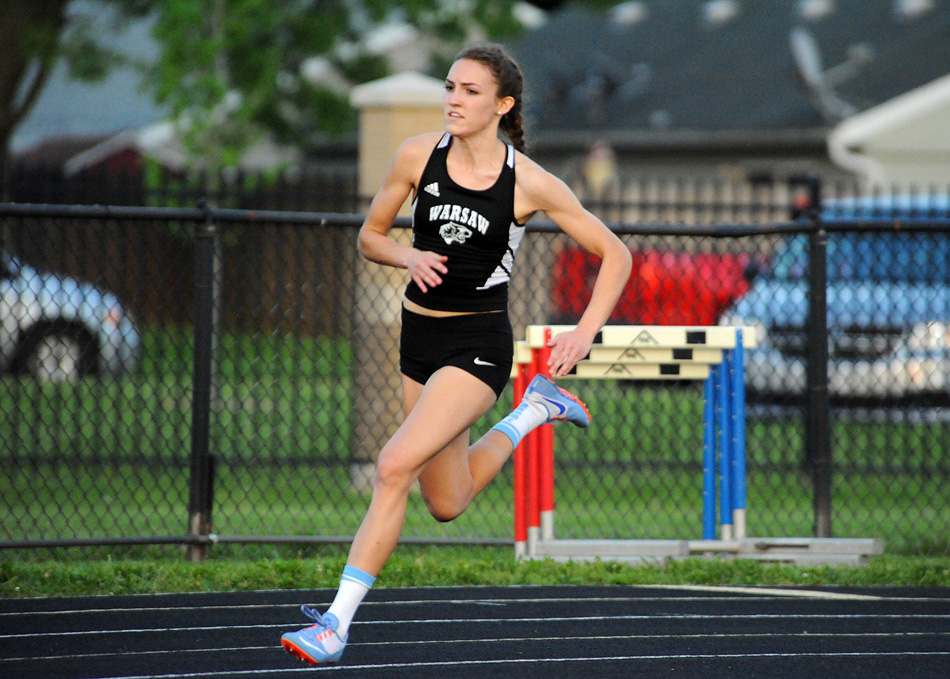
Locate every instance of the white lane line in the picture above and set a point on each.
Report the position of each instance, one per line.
(753, 594)
(497, 620)
(811, 636)
(775, 591)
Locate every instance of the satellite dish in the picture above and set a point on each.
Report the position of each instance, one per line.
(808, 62)
(807, 56)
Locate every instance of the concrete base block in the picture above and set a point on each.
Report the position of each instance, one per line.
(611, 550)
(799, 551)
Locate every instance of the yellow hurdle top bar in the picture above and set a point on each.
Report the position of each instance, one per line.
(653, 336)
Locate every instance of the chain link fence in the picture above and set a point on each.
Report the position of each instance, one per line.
(218, 380)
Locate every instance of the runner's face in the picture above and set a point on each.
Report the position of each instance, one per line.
(470, 103)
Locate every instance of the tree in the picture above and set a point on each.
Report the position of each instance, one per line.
(30, 31)
(35, 35)
(233, 70)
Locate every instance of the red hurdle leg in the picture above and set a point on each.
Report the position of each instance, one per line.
(546, 469)
(520, 473)
(533, 456)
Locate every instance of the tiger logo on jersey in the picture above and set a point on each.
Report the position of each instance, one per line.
(454, 233)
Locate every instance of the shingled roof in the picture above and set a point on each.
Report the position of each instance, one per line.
(698, 71)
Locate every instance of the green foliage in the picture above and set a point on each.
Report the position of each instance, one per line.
(233, 71)
(40, 38)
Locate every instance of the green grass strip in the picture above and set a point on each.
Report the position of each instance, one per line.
(429, 566)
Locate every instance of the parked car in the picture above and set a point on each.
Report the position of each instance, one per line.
(57, 328)
(665, 288)
(888, 298)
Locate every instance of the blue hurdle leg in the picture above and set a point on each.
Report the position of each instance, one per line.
(738, 422)
(709, 457)
(725, 457)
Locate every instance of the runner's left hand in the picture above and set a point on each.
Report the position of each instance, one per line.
(567, 348)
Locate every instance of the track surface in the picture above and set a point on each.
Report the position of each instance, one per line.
(510, 632)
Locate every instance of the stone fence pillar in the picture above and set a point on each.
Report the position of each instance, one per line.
(391, 110)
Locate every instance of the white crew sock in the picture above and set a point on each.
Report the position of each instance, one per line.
(523, 419)
(353, 587)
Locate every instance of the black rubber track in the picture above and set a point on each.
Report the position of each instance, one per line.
(509, 632)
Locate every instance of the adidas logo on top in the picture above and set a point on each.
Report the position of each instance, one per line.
(432, 188)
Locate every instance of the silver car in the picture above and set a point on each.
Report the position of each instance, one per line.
(888, 300)
(56, 328)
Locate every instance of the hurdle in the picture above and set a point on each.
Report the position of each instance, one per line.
(713, 354)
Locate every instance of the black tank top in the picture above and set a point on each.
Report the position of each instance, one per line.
(476, 230)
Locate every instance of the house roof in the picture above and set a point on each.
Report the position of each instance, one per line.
(884, 120)
(915, 125)
(697, 71)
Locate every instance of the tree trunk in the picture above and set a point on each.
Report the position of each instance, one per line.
(29, 33)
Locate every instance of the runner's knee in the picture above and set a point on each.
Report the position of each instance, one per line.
(392, 473)
(444, 510)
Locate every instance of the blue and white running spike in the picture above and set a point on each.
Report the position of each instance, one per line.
(318, 643)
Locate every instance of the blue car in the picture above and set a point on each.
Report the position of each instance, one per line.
(888, 299)
(55, 328)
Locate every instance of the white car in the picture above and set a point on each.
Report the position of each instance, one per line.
(56, 328)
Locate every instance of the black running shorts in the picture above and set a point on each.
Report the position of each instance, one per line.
(480, 344)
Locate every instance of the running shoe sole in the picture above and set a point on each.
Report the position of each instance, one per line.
(300, 654)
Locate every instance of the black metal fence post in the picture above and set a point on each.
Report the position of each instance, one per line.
(817, 428)
(200, 500)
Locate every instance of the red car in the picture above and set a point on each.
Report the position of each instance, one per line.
(665, 287)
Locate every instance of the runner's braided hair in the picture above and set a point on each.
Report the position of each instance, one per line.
(510, 83)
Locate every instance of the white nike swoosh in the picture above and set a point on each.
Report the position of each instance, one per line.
(479, 361)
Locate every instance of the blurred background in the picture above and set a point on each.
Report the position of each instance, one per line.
(207, 364)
